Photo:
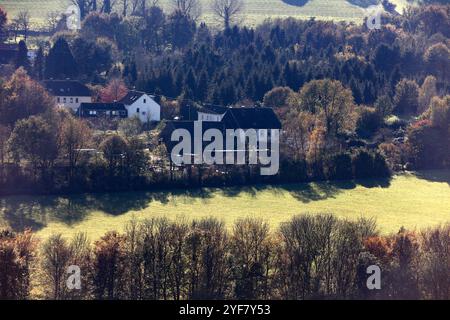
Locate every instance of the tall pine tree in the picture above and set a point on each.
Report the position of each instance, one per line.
(38, 65)
(60, 63)
(22, 56)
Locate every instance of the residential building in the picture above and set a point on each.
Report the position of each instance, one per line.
(143, 106)
(96, 110)
(68, 93)
(8, 52)
(234, 118)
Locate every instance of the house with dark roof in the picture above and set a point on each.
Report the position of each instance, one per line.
(8, 52)
(262, 120)
(211, 113)
(68, 93)
(97, 110)
(171, 126)
(251, 118)
(141, 105)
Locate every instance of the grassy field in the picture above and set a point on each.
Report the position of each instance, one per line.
(415, 201)
(255, 10)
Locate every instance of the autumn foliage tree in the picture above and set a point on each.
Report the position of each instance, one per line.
(22, 97)
(35, 140)
(75, 135)
(114, 91)
(17, 254)
(330, 101)
(108, 269)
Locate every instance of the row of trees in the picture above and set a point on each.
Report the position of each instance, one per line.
(225, 10)
(308, 257)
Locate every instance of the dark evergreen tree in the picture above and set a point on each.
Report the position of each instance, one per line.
(22, 57)
(202, 87)
(181, 29)
(60, 63)
(39, 64)
(386, 57)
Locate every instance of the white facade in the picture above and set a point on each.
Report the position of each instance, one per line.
(209, 117)
(72, 103)
(145, 108)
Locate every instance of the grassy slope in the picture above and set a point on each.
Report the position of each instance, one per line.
(255, 10)
(404, 201)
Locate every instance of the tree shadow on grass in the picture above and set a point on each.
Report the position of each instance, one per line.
(434, 175)
(308, 192)
(22, 213)
(249, 190)
(35, 212)
(297, 3)
(375, 182)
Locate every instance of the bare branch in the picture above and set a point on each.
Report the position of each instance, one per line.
(227, 10)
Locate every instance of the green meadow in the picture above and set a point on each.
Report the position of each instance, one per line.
(415, 201)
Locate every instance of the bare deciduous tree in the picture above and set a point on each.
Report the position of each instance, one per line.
(227, 10)
(53, 19)
(189, 8)
(139, 7)
(85, 6)
(23, 21)
(4, 135)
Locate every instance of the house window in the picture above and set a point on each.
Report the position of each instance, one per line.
(71, 100)
(64, 100)
(144, 113)
(138, 110)
(92, 112)
(76, 100)
(58, 99)
(114, 113)
(145, 100)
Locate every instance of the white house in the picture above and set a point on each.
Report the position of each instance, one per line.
(142, 105)
(68, 93)
(211, 113)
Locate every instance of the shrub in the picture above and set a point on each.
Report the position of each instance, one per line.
(368, 164)
(339, 167)
(368, 123)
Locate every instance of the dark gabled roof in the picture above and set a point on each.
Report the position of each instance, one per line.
(103, 106)
(131, 97)
(251, 118)
(213, 109)
(67, 88)
(8, 52)
(171, 126)
(189, 126)
(9, 47)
